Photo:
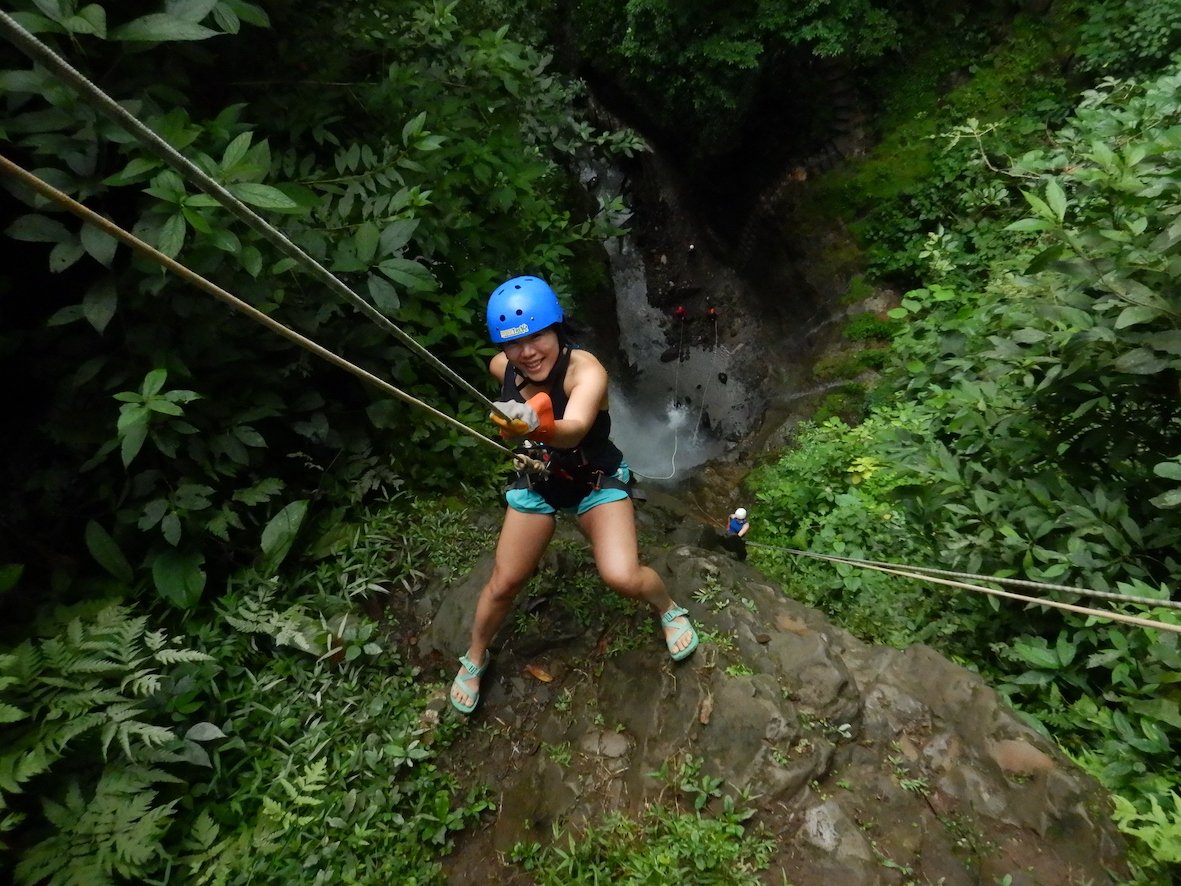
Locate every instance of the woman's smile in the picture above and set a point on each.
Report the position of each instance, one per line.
(535, 354)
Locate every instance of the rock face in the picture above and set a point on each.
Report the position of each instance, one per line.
(868, 764)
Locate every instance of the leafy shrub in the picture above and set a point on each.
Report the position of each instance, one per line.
(192, 433)
(1121, 38)
(88, 730)
(1033, 430)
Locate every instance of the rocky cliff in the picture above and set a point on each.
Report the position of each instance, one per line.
(866, 764)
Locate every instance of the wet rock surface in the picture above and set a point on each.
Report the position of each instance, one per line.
(867, 764)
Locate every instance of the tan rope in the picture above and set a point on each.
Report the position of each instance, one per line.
(996, 579)
(40, 52)
(1036, 601)
(145, 249)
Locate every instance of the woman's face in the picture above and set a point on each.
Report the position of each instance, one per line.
(535, 355)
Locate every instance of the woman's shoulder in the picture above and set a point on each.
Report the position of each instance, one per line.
(498, 365)
(581, 360)
(585, 372)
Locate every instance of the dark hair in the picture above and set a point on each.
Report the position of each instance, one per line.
(569, 332)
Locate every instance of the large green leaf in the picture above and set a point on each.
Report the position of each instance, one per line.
(263, 196)
(100, 303)
(161, 28)
(279, 534)
(179, 577)
(409, 273)
(10, 574)
(105, 550)
(36, 228)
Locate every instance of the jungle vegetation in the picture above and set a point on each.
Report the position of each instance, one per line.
(197, 518)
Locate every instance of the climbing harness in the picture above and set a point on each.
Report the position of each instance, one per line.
(573, 473)
(40, 52)
(521, 461)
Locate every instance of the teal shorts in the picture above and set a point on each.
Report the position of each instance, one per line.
(529, 502)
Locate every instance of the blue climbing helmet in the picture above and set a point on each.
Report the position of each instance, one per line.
(521, 306)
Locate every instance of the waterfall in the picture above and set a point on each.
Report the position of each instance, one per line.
(674, 414)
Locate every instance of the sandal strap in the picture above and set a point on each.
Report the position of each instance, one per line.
(471, 667)
(674, 613)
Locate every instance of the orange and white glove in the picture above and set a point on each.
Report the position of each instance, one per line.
(533, 419)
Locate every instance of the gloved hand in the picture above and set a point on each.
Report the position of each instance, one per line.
(533, 419)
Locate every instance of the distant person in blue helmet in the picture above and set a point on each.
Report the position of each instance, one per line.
(736, 527)
(554, 395)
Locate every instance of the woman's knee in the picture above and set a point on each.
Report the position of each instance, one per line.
(503, 588)
(624, 581)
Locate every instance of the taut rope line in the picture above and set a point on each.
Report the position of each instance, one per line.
(906, 572)
(38, 51)
(145, 249)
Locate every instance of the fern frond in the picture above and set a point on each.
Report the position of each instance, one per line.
(34, 763)
(208, 859)
(116, 831)
(155, 640)
(74, 632)
(142, 683)
(59, 735)
(163, 755)
(95, 666)
(150, 774)
(11, 713)
(150, 736)
(80, 701)
(181, 656)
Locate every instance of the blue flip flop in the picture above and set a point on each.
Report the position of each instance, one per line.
(466, 681)
(666, 621)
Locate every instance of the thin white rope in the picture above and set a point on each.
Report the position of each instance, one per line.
(995, 579)
(672, 462)
(40, 52)
(676, 428)
(1036, 601)
(680, 357)
(185, 273)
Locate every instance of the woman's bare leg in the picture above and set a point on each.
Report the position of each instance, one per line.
(611, 528)
(523, 539)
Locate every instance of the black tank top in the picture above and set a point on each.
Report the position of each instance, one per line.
(576, 470)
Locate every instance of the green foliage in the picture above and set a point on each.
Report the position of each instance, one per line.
(698, 67)
(423, 163)
(926, 201)
(666, 844)
(86, 728)
(280, 739)
(829, 494)
(867, 327)
(1158, 828)
(1031, 430)
(329, 770)
(846, 402)
(1120, 38)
